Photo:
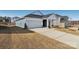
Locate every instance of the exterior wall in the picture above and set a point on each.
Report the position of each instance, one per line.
(20, 23)
(57, 21)
(54, 20)
(64, 23)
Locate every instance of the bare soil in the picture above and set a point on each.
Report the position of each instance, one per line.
(74, 32)
(18, 38)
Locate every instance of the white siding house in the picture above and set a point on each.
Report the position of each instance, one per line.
(39, 21)
(30, 22)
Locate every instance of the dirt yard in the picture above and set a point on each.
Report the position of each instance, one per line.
(15, 38)
(71, 31)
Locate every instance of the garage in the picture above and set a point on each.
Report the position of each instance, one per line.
(34, 23)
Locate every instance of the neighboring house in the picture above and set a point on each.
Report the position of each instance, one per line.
(39, 20)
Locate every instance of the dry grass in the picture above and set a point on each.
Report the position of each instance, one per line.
(71, 31)
(28, 40)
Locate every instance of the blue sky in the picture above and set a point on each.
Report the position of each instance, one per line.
(73, 14)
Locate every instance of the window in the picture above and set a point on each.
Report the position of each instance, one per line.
(62, 20)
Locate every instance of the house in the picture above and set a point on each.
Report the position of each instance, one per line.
(40, 20)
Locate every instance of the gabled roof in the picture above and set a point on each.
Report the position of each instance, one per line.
(37, 12)
(20, 19)
(47, 15)
(58, 15)
(16, 17)
(37, 16)
(34, 16)
(40, 15)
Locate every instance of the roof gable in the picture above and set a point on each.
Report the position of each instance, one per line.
(34, 16)
(37, 12)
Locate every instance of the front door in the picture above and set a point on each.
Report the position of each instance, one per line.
(44, 23)
(25, 26)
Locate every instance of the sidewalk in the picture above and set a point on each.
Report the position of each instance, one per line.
(66, 38)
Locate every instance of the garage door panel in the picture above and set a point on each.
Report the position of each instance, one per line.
(34, 24)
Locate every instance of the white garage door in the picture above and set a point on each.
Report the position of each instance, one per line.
(34, 23)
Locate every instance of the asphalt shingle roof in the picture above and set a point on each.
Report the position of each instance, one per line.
(34, 16)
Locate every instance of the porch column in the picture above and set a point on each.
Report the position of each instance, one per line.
(47, 23)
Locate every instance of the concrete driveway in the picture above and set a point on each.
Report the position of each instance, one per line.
(66, 38)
